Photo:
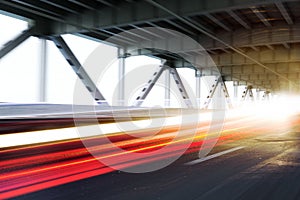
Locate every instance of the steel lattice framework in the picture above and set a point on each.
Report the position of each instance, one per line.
(252, 42)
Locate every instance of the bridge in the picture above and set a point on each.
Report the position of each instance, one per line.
(252, 43)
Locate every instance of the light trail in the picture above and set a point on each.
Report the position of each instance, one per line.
(26, 169)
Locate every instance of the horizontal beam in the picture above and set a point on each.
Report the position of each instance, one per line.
(137, 13)
(257, 37)
(265, 55)
(289, 69)
(280, 59)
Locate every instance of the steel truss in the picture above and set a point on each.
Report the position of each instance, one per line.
(79, 70)
(266, 95)
(218, 81)
(248, 92)
(149, 85)
(9, 46)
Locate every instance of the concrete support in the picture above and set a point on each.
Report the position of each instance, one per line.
(43, 71)
(79, 70)
(9, 46)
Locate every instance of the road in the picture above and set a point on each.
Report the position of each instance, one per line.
(260, 161)
(267, 168)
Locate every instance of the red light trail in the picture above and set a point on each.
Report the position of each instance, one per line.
(26, 169)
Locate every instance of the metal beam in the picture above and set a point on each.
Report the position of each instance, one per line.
(43, 71)
(211, 93)
(61, 5)
(181, 87)
(235, 90)
(162, 29)
(27, 12)
(266, 95)
(257, 94)
(179, 27)
(248, 92)
(84, 4)
(106, 3)
(147, 31)
(198, 75)
(216, 21)
(260, 16)
(286, 45)
(218, 81)
(254, 48)
(139, 12)
(9, 46)
(40, 7)
(120, 36)
(198, 24)
(154, 3)
(284, 13)
(149, 85)
(226, 93)
(270, 47)
(121, 85)
(133, 34)
(238, 19)
(167, 88)
(79, 70)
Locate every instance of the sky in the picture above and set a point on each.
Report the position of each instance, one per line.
(20, 71)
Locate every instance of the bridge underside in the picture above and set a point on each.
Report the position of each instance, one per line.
(251, 42)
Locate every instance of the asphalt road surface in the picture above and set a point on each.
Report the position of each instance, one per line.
(264, 166)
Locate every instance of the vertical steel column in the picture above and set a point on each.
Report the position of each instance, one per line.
(248, 91)
(245, 94)
(181, 87)
(218, 81)
(121, 89)
(235, 90)
(266, 95)
(211, 93)
(198, 87)
(226, 94)
(9, 46)
(43, 70)
(251, 94)
(79, 70)
(257, 94)
(146, 90)
(167, 88)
